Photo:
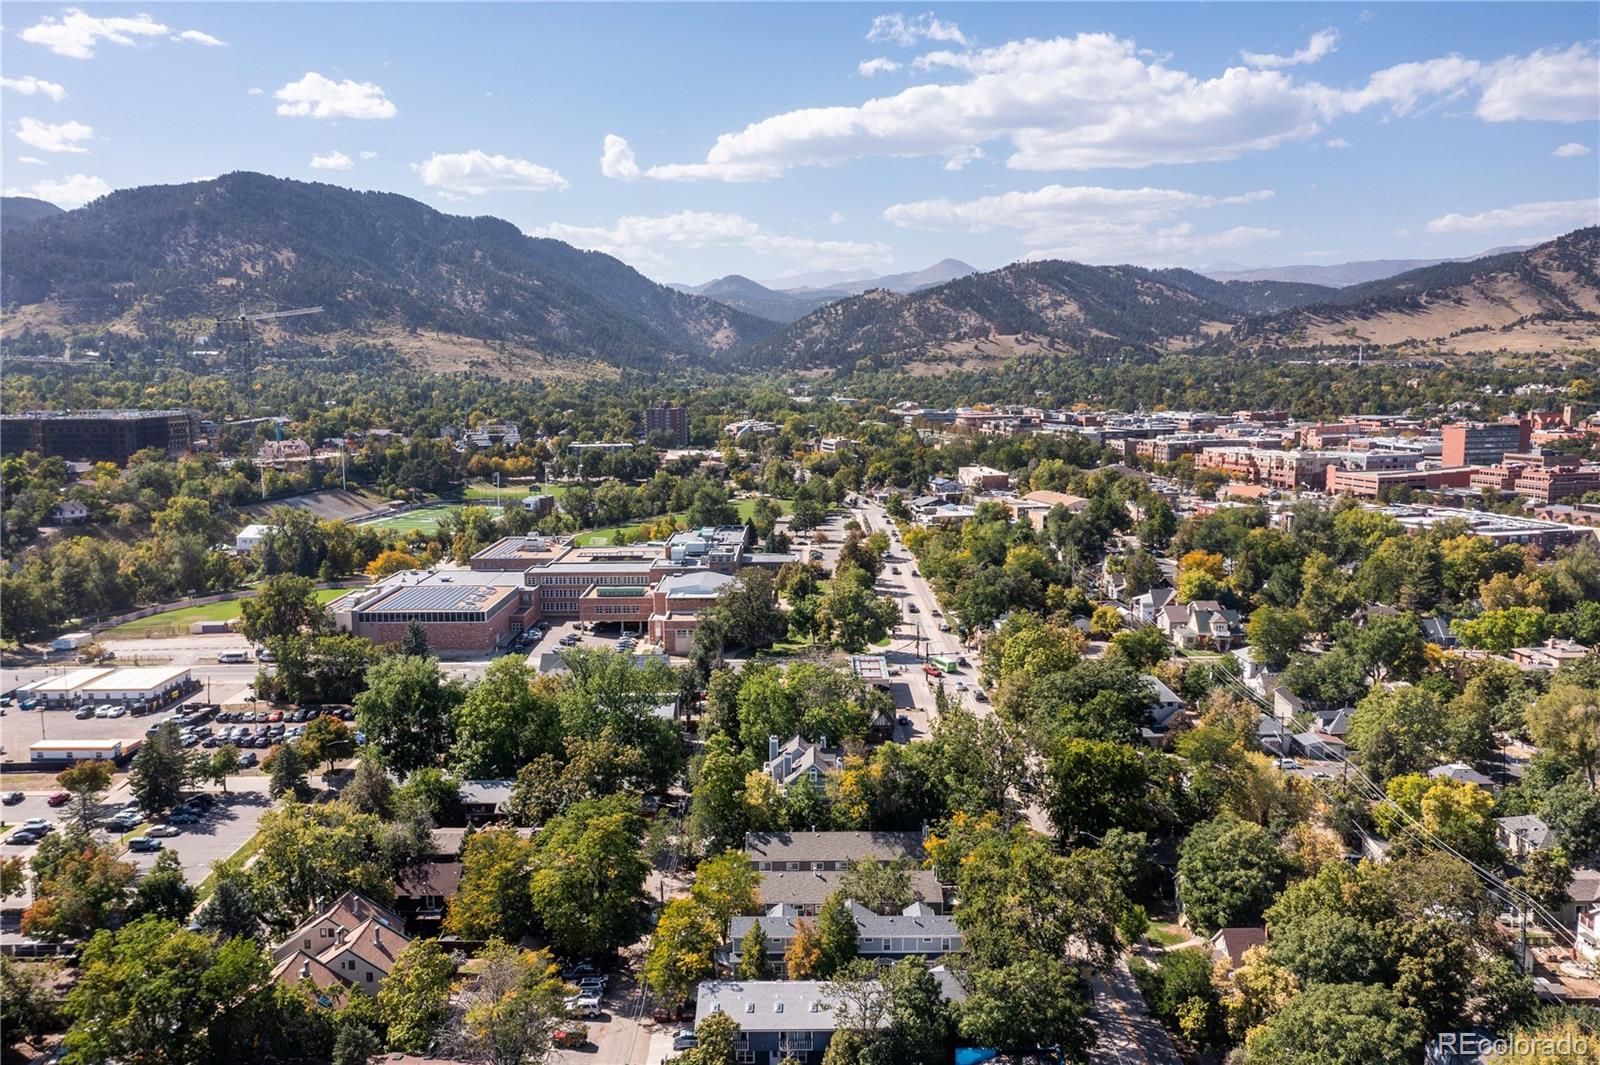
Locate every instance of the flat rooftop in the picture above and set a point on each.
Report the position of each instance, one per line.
(68, 681)
(458, 595)
(532, 548)
(145, 678)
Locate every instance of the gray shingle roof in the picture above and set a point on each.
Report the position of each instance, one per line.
(832, 846)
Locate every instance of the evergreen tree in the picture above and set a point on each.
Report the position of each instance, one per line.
(836, 935)
(753, 963)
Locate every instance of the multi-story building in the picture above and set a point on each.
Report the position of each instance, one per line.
(669, 420)
(917, 930)
(983, 478)
(1171, 447)
(520, 580)
(1377, 484)
(1482, 443)
(1541, 476)
(98, 435)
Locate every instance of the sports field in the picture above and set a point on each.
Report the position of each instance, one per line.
(426, 518)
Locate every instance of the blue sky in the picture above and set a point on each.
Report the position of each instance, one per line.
(780, 139)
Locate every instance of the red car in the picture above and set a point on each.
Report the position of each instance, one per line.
(60, 798)
(932, 670)
(275, 716)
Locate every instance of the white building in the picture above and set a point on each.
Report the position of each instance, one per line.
(250, 537)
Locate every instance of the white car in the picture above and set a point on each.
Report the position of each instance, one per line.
(584, 1005)
(162, 831)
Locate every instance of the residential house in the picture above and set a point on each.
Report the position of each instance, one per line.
(789, 762)
(915, 930)
(1522, 835)
(785, 1018)
(1582, 912)
(1229, 944)
(1204, 624)
(1461, 772)
(69, 512)
(421, 891)
(829, 851)
(1436, 630)
(485, 800)
(351, 944)
(1147, 607)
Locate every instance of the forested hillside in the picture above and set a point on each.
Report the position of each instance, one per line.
(376, 263)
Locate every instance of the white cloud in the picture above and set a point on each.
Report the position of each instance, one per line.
(871, 68)
(1572, 150)
(255, 90)
(907, 31)
(650, 240)
(334, 160)
(315, 96)
(31, 160)
(1322, 44)
(77, 33)
(67, 192)
(1556, 86)
(1096, 100)
(835, 217)
(28, 85)
(369, 154)
(1551, 216)
(197, 37)
(1089, 222)
(54, 136)
(477, 173)
(1337, 142)
(616, 159)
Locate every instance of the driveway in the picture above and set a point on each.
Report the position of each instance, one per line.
(1126, 1033)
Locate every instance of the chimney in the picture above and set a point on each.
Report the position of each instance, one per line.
(377, 937)
(342, 934)
(772, 748)
(822, 743)
(305, 970)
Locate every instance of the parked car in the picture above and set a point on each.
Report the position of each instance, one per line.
(60, 798)
(84, 713)
(39, 824)
(584, 1005)
(685, 1039)
(248, 760)
(162, 831)
(12, 798)
(183, 817)
(24, 837)
(141, 844)
(570, 1036)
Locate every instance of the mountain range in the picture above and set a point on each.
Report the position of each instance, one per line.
(452, 292)
(1337, 275)
(792, 304)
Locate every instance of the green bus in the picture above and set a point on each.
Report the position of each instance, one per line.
(948, 663)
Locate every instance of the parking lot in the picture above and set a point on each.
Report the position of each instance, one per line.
(226, 827)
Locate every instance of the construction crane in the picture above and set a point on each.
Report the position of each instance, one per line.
(242, 327)
(247, 320)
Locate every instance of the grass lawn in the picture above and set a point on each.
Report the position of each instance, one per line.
(747, 507)
(177, 622)
(1167, 935)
